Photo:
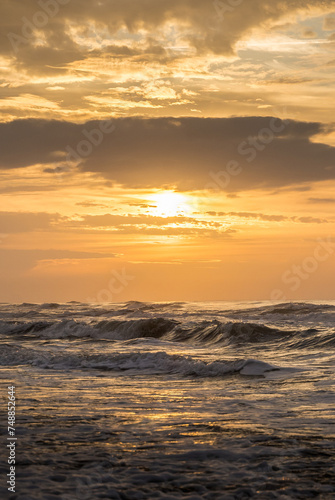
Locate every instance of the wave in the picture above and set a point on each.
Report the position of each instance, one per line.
(155, 363)
(203, 332)
(259, 308)
(298, 308)
(284, 310)
(136, 306)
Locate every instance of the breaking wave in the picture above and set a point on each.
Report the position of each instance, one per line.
(148, 362)
(201, 332)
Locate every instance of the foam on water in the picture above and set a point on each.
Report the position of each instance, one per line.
(158, 362)
(195, 401)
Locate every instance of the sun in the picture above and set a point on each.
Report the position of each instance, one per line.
(170, 204)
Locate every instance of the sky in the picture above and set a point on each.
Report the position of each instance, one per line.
(167, 150)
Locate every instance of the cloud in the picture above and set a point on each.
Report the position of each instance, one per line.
(42, 255)
(159, 58)
(110, 220)
(309, 33)
(329, 23)
(89, 204)
(188, 153)
(75, 28)
(288, 80)
(27, 103)
(150, 225)
(23, 222)
(269, 218)
(321, 200)
(310, 220)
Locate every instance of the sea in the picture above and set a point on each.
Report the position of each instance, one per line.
(169, 401)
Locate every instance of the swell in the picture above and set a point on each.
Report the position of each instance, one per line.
(203, 332)
(154, 363)
(286, 311)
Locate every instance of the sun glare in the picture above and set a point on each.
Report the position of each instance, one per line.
(170, 204)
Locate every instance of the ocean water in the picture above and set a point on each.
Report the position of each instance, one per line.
(219, 400)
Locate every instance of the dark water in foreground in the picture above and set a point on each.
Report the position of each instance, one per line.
(169, 401)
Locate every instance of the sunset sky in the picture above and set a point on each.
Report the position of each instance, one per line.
(167, 150)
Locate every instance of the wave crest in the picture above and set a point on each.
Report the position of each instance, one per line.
(201, 333)
(155, 363)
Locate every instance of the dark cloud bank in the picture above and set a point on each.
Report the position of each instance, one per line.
(187, 153)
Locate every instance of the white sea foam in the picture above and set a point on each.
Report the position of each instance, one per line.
(158, 362)
(172, 401)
